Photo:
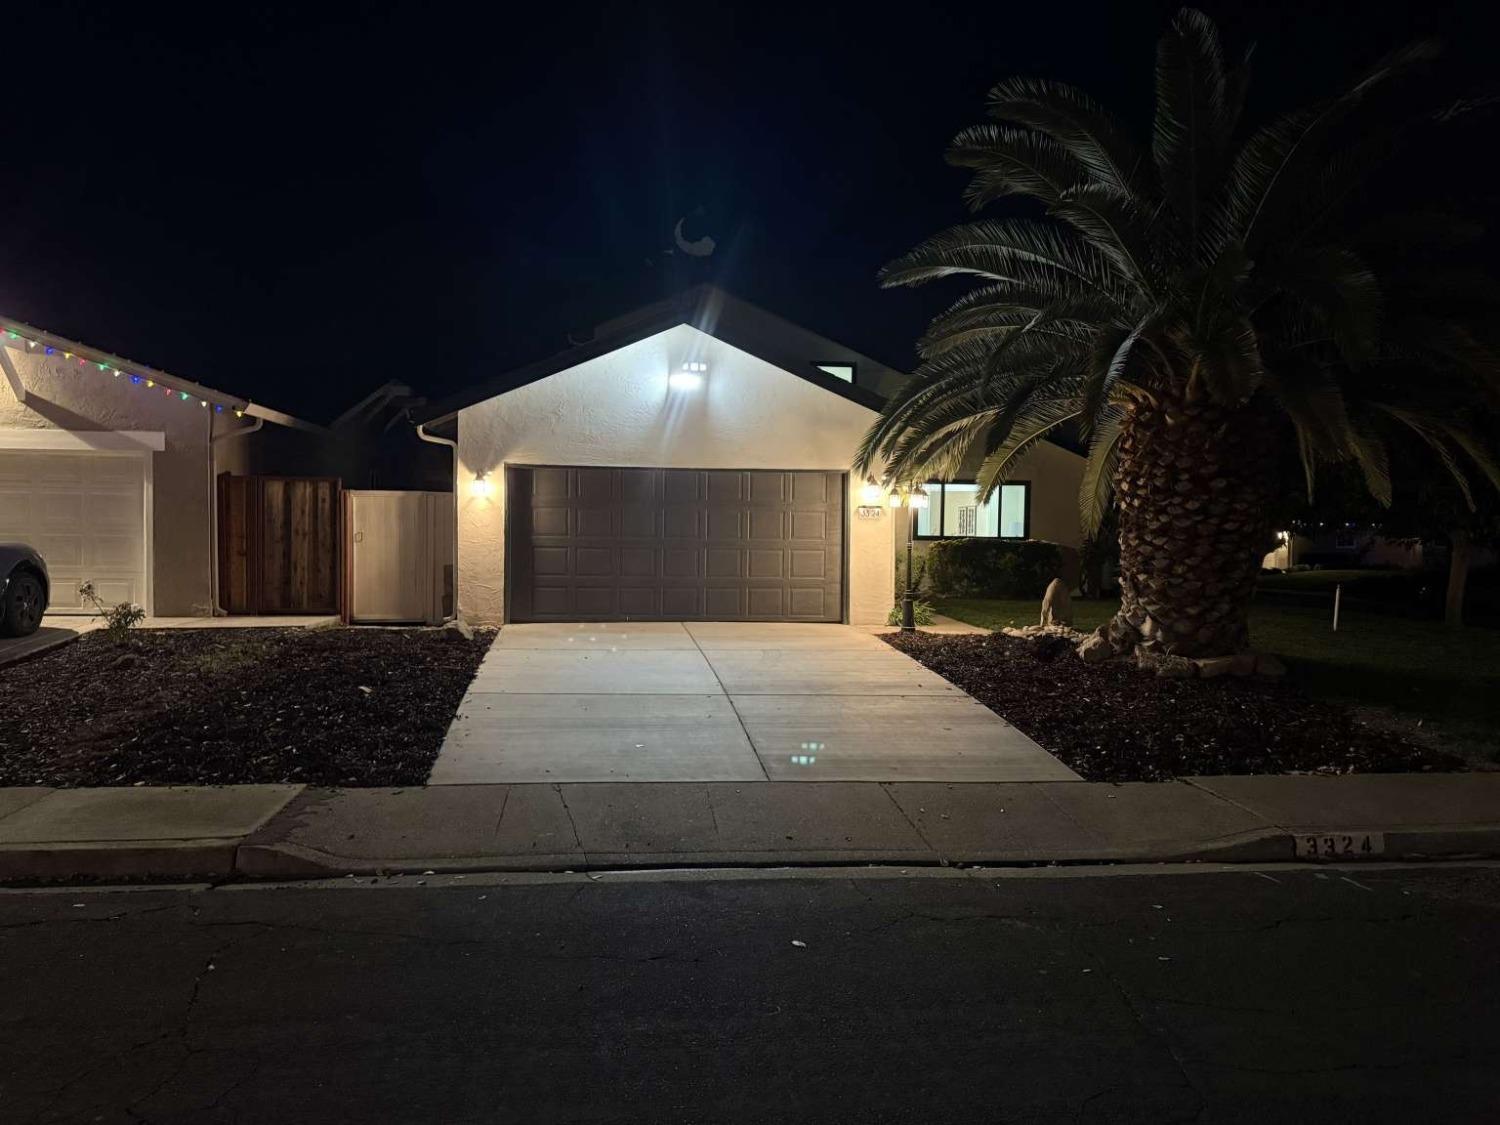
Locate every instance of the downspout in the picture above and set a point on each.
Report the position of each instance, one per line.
(214, 609)
(421, 428)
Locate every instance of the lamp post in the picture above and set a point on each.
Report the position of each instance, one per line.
(915, 500)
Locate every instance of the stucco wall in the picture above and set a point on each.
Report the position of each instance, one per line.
(618, 410)
(62, 395)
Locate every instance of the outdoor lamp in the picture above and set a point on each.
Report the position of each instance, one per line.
(894, 500)
(870, 492)
(482, 487)
(918, 498)
(689, 377)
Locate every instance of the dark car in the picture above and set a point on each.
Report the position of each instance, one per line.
(23, 590)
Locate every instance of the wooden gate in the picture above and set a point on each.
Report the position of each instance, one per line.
(279, 542)
(399, 557)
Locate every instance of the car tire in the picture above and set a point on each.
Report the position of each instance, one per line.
(23, 604)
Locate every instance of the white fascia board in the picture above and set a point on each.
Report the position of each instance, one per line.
(82, 441)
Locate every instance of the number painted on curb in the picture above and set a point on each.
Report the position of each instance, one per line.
(1338, 845)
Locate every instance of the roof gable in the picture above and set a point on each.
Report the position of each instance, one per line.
(708, 309)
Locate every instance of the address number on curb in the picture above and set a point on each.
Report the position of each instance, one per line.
(1339, 845)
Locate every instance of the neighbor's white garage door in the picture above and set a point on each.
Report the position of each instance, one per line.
(86, 514)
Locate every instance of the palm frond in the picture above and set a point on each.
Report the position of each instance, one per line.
(1098, 472)
(1194, 117)
(1081, 125)
(995, 249)
(1010, 161)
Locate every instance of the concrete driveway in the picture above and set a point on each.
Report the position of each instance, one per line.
(722, 701)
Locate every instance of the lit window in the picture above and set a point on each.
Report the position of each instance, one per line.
(844, 371)
(956, 512)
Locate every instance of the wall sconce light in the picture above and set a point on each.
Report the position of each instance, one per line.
(918, 498)
(482, 487)
(689, 377)
(870, 492)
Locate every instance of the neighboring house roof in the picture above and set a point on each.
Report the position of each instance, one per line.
(719, 314)
(40, 338)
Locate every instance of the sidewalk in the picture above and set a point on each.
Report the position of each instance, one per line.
(288, 831)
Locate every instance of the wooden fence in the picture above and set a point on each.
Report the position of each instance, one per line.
(279, 544)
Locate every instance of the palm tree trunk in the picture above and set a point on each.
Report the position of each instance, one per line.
(1192, 483)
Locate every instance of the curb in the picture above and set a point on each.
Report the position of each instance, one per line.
(230, 858)
(125, 861)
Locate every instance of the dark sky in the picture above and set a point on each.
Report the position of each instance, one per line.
(295, 204)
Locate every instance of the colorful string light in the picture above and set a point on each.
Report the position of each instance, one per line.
(138, 380)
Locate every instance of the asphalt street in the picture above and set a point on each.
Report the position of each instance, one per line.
(1055, 995)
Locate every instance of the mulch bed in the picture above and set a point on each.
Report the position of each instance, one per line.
(340, 707)
(1110, 722)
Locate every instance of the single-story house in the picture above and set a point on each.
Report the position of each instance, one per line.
(695, 460)
(108, 467)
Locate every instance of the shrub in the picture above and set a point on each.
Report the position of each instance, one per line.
(922, 613)
(118, 619)
(992, 568)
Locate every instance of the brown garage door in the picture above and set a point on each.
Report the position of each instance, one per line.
(593, 544)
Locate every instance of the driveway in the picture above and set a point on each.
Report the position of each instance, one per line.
(722, 701)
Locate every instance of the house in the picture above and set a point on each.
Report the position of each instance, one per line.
(108, 467)
(695, 460)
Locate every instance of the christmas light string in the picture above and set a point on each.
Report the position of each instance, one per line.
(137, 380)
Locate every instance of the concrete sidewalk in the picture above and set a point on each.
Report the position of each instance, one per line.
(280, 831)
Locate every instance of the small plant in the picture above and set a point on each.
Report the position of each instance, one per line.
(922, 613)
(119, 619)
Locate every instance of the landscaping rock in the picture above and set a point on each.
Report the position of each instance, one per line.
(1165, 665)
(458, 630)
(1096, 649)
(1211, 666)
(1242, 664)
(1057, 604)
(1034, 632)
(1268, 666)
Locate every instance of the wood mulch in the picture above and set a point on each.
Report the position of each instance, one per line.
(338, 707)
(1110, 722)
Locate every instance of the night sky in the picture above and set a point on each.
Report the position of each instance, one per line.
(295, 204)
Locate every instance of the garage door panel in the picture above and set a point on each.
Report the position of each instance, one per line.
(595, 603)
(637, 522)
(810, 525)
(681, 486)
(549, 521)
(676, 544)
(85, 513)
(682, 601)
(766, 601)
(640, 601)
(638, 562)
(550, 560)
(767, 488)
(765, 564)
(595, 561)
(812, 488)
(597, 523)
(767, 524)
(682, 523)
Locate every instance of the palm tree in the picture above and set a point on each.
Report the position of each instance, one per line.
(1191, 312)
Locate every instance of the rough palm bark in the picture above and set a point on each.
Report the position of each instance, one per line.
(1192, 485)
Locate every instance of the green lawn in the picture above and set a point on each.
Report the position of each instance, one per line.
(1420, 668)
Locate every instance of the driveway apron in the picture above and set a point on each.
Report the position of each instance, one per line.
(722, 701)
